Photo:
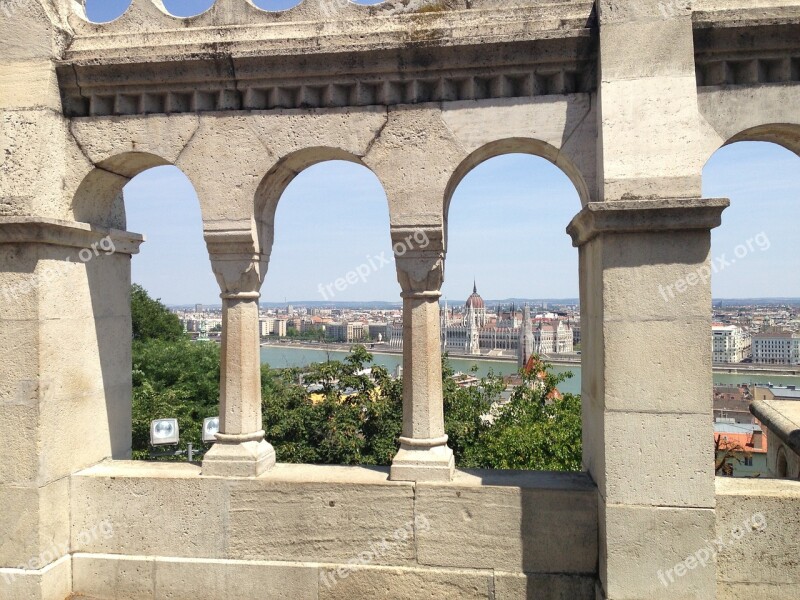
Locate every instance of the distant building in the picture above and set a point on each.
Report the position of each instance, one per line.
(774, 392)
(747, 446)
(729, 344)
(279, 327)
(475, 304)
(269, 326)
(732, 404)
(378, 332)
(265, 327)
(347, 332)
(476, 332)
(775, 346)
(526, 342)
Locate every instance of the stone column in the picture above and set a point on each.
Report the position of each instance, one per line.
(424, 454)
(646, 392)
(240, 450)
(65, 386)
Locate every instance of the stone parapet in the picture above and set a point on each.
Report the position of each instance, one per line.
(328, 524)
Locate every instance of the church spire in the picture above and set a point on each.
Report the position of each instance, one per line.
(474, 286)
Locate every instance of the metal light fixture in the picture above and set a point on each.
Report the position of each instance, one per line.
(164, 432)
(210, 430)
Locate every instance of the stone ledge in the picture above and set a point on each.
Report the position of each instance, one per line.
(53, 582)
(782, 418)
(759, 519)
(646, 215)
(112, 577)
(40, 230)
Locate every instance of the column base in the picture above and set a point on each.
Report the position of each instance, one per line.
(423, 460)
(244, 459)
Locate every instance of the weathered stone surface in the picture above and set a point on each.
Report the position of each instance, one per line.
(671, 453)
(644, 547)
(764, 513)
(275, 520)
(104, 577)
(402, 584)
(535, 523)
(628, 97)
(53, 582)
(762, 591)
(658, 275)
(642, 359)
(35, 525)
(176, 512)
(250, 580)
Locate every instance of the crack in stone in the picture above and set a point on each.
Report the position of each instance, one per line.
(377, 135)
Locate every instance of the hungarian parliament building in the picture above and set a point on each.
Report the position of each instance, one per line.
(474, 332)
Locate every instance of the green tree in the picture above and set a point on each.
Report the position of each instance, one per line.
(538, 429)
(174, 380)
(151, 319)
(464, 409)
(338, 413)
(172, 376)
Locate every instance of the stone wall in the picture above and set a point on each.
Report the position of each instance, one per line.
(331, 532)
(628, 97)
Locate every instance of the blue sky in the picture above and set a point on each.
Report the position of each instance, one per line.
(507, 224)
(107, 10)
(507, 230)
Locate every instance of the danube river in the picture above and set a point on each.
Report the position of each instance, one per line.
(292, 356)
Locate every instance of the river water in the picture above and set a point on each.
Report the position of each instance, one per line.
(289, 356)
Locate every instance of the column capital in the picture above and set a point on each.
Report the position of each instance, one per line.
(421, 275)
(238, 264)
(643, 216)
(419, 256)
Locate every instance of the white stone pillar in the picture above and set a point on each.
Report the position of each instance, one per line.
(240, 450)
(65, 385)
(647, 391)
(424, 454)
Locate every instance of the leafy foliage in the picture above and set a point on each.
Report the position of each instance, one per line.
(151, 319)
(174, 379)
(338, 413)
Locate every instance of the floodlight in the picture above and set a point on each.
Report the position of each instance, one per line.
(164, 432)
(210, 429)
